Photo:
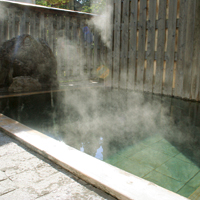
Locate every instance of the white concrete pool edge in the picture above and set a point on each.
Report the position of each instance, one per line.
(108, 178)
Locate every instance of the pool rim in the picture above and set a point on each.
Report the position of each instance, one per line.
(104, 176)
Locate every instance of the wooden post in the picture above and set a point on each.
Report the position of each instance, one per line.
(116, 53)
(1, 32)
(160, 47)
(148, 85)
(32, 23)
(55, 36)
(141, 46)
(195, 86)
(17, 23)
(81, 50)
(5, 34)
(124, 45)
(50, 30)
(42, 27)
(170, 47)
(132, 44)
(23, 22)
(59, 46)
(110, 47)
(74, 40)
(88, 57)
(181, 48)
(96, 44)
(67, 36)
(11, 22)
(187, 72)
(37, 25)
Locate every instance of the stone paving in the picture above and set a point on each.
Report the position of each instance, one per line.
(26, 175)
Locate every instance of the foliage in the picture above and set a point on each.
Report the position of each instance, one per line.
(54, 3)
(93, 6)
(90, 6)
(99, 6)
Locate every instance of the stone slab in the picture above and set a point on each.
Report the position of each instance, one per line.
(6, 186)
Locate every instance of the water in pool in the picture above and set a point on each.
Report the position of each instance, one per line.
(156, 138)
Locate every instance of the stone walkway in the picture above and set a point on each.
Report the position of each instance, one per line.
(26, 175)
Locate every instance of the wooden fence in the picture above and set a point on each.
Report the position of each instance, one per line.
(156, 46)
(62, 29)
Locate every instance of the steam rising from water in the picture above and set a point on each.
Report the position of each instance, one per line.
(72, 58)
(102, 24)
(69, 58)
(119, 118)
(103, 122)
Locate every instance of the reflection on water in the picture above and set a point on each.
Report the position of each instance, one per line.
(103, 122)
(157, 138)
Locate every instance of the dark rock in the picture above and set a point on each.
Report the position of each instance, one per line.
(27, 56)
(24, 84)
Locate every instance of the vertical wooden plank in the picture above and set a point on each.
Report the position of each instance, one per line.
(59, 46)
(45, 26)
(23, 22)
(28, 23)
(63, 24)
(2, 22)
(195, 86)
(99, 51)
(124, 45)
(96, 36)
(37, 25)
(2, 30)
(32, 23)
(181, 48)
(67, 36)
(11, 21)
(75, 45)
(59, 26)
(81, 48)
(110, 4)
(187, 73)
(92, 54)
(55, 36)
(42, 27)
(5, 35)
(103, 53)
(116, 53)
(17, 23)
(70, 69)
(148, 85)
(141, 45)
(132, 44)
(84, 47)
(51, 32)
(167, 90)
(79, 51)
(88, 54)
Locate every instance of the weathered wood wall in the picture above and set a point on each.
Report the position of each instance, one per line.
(62, 29)
(156, 46)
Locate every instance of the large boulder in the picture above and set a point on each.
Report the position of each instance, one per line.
(27, 56)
